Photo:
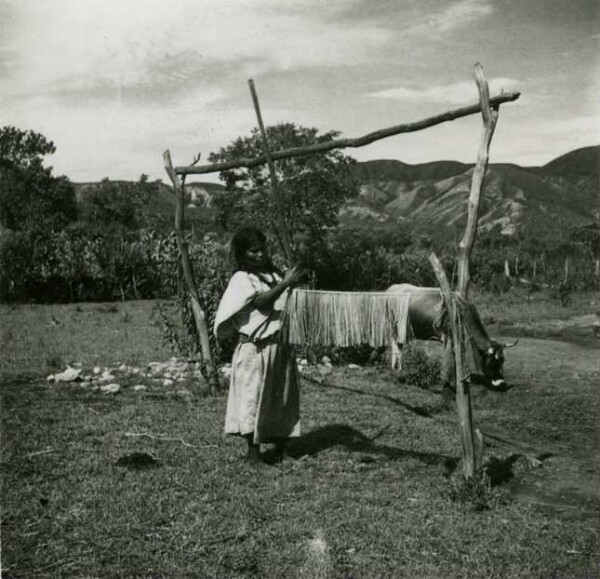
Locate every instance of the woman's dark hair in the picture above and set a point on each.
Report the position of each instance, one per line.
(244, 239)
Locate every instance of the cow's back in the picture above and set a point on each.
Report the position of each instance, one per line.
(424, 308)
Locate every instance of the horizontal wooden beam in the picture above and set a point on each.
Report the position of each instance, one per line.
(317, 148)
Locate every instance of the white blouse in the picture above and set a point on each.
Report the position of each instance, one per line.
(236, 313)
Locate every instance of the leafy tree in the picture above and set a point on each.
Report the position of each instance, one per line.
(119, 205)
(31, 198)
(314, 188)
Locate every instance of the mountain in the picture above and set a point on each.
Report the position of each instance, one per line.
(560, 195)
(549, 200)
(581, 162)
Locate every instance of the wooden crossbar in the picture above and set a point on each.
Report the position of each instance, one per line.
(317, 148)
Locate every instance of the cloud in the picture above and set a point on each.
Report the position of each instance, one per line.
(71, 46)
(457, 15)
(456, 93)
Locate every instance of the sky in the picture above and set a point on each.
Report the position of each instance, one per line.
(114, 83)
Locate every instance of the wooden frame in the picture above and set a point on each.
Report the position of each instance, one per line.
(472, 442)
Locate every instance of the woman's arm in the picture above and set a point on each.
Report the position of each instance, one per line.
(267, 299)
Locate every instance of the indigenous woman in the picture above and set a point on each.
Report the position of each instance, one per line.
(263, 404)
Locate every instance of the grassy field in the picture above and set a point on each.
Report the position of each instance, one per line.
(143, 483)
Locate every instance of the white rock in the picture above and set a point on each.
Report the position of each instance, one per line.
(155, 367)
(96, 370)
(50, 378)
(324, 370)
(69, 375)
(140, 387)
(107, 376)
(353, 366)
(167, 382)
(326, 361)
(110, 388)
(123, 368)
(185, 393)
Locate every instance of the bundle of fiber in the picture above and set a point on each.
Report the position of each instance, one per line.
(346, 318)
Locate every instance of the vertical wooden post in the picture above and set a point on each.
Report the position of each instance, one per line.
(471, 439)
(283, 230)
(490, 117)
(188, 274)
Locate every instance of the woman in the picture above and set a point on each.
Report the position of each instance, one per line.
(263, 404)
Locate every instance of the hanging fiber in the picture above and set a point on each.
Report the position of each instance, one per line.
(346, 318)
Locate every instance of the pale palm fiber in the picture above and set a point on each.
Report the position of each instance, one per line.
(346, 318)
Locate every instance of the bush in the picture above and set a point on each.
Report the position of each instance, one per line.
(418, 369)
(476, 492)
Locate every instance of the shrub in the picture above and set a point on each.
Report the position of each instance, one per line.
(418, 368)
(475, 492)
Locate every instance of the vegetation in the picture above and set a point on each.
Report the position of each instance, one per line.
(54, 249)
(313, 188)
(32, 200)
(143, 484)
(116, 241)
(418, 368)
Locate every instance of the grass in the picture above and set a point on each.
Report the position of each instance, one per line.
(42, 339)
(367, 492)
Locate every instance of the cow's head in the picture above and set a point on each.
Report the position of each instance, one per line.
(491, 363)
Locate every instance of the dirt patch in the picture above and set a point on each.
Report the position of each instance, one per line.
(561, 483)
(583, 330)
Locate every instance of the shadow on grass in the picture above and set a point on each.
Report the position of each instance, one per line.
(423, 411)
(332, 435)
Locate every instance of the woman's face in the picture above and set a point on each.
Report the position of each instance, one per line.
(256, 256)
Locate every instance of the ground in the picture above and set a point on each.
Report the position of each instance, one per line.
(142, 483)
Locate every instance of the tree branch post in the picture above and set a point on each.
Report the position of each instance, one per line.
(490, 118)
(188, 274)
(284, 233)
(471, 439)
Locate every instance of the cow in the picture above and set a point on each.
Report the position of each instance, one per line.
(428, 321)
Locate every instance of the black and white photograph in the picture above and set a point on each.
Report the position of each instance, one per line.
(299, 289)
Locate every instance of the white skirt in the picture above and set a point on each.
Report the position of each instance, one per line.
(264, 398)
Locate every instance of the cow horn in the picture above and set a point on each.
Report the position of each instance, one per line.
(511, 344)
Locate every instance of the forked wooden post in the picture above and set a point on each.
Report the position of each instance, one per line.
(490, 118)
(188, 274)
(471, 438)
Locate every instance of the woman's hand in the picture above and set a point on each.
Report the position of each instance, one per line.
(293, 276)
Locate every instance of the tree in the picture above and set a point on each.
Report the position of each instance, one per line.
(30, 197)
(314, 188)
(119, 205)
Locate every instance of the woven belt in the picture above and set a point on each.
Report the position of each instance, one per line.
(243, 339)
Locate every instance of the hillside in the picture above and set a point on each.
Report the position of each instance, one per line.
(558, 196)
